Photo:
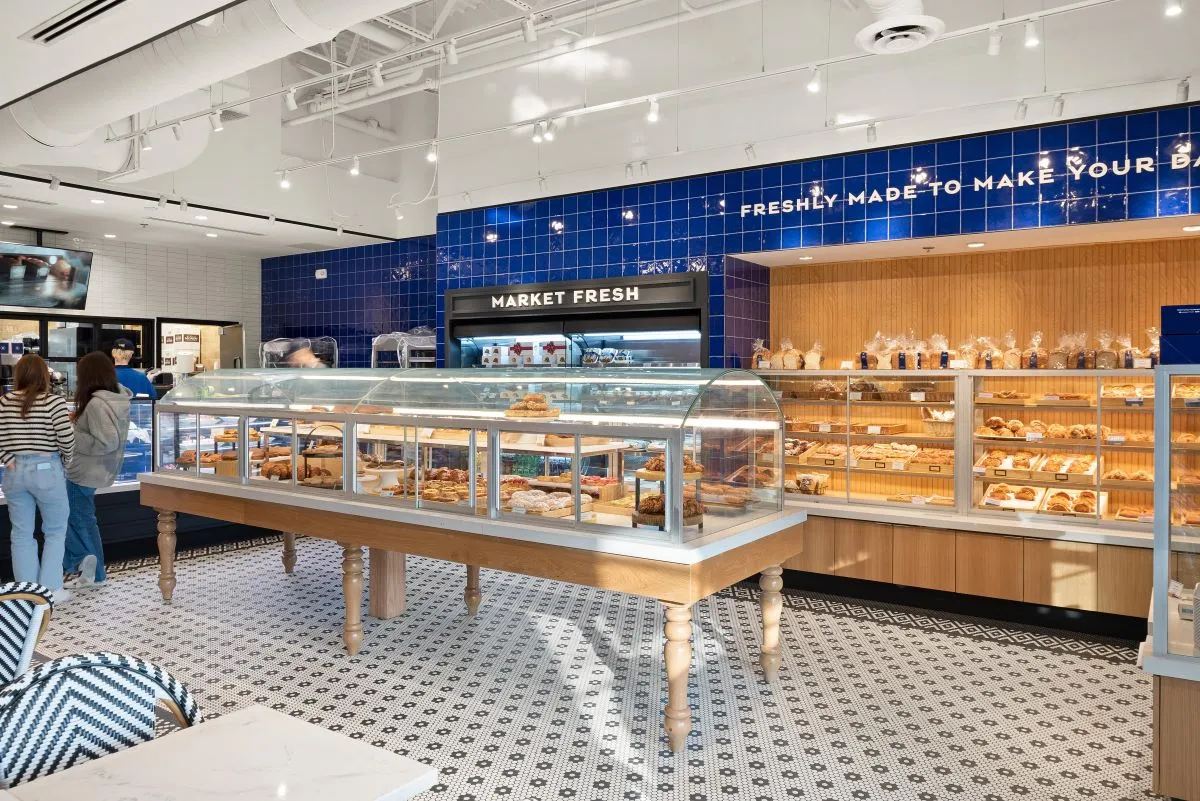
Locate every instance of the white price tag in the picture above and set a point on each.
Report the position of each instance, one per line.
(874, 429)
(1116, 439)
(764, 364)
(847, 365)
(852, 462)
(986, 395)
(588, 517)
(1143, 364)
(386, 494)
(518, 510)
(897, 465)
(979, 471)
(916, 397)
(1034, 436)
(854, 395)
(1145, 518)
(680, 403)
(917, 500)
(960, 364)
(1135, 401)
(824, 428)
(1050, 397)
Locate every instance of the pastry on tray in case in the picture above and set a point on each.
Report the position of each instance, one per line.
(808, 483)
(533, 405)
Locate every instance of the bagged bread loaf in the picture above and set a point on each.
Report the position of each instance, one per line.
(1035, 357)
(968, 352)
(925, 360)
(1152, 334)
(1082, 357)
(905, 358)
(939, 352)
(1106, 354)
(869, 358)
(761, 358)
(777, 356)
(815, 357)
(1060, 354)
(887, 349)
(1012, 353)
(990, 356)
(1126, 352)
(792, 358)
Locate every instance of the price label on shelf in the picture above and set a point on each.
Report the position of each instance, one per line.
(778, 393)
(1034, 436)
(1191, 403)
(986, 395)
(897, 465)
(854, 395)
(1116, 439)
(847, 365)
(1142, 364)
(1146, 518)
(824, 428)
(979, 471)
(764, 364)
(960, 364)
(518, 510)
(917, 500)
(874, 429)
(1050, 397)
(386, 494)
(1135, 401)
(851, 462)
(916, 397)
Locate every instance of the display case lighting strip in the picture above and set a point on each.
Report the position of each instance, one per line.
(647, 336)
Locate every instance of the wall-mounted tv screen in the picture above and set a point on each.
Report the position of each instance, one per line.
(44, 278)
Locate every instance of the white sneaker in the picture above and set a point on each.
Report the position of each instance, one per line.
(72, 581)
(87, 571)
(62, 597)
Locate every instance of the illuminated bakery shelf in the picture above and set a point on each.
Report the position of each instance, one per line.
(1034, 482)
(802, 433)
(1064, 406)
(1126, 486)
(842, 401)
(794, 461)
(1014, 442)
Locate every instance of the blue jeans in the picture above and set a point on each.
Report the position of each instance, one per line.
(33, 483)
(83, 532)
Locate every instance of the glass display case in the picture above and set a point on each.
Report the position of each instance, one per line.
(1177, 532)
(659, 454)
(882, 437)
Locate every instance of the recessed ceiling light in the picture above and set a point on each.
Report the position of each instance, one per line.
(11, 206)
(1191, 229)
(7, 222)
(98, 201)
(110, 236)
(211, 235)
(201, 217)
(976, 245)
(805, 258)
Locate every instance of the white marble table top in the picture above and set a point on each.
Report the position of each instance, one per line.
(253, 754)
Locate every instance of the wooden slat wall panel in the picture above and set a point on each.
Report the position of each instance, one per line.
(1079, 288)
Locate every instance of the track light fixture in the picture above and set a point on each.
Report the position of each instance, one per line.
(994, 40)
(548, 132)
(55, 183)
(284, 181)
(432, 155)
(652, 114)
(539, 132)
(466, 197)
(629, 170)
(541, 183)
(177, 130)
(871, 134)
(1173, 8)
(214, 122)
(645, 169)
(144, 143)
(183, 207)
(289, 100)
(1022, 110)
(162, 201)
(355, 167)
(1060, 104)
(399, 214)
(529, 29)
(452, 52)
(1183, 91)
(750, 152)
(377, 76)
(814, 80)
(1032, 39)
(339, 230)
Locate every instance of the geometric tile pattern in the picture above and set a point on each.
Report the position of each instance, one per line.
(555, 691)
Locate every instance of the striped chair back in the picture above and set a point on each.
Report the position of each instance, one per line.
(25, 609)
(81, 707)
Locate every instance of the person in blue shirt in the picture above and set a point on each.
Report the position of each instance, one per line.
(135, 380)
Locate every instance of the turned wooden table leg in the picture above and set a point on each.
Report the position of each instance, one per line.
(472, 595)
(771, 602)
(166, 554)
(677, 655)
(352, 589)
(289, 552)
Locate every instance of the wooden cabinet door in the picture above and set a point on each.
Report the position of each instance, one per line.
(1124, 577)
(989, 565)
(818, 555)
(1060, 573)
(923, 557)
(863, 550)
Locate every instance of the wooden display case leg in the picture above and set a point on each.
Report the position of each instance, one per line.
(166, 554)
(771, 603)
(677, 655)
(289, 552)
(386, 598)
(352, 589)
(472, 595)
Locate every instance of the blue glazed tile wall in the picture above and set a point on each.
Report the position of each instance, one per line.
(693, 224)
(370, 290)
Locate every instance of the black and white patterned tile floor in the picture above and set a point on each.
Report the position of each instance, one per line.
(556, 691)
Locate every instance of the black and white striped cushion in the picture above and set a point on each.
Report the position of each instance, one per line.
(20, 624)
(79, 708)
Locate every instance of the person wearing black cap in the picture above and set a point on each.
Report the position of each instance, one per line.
(135, 380)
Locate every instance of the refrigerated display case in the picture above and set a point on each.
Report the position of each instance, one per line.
(663, 455)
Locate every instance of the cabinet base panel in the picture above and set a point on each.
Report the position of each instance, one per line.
(1124, 630)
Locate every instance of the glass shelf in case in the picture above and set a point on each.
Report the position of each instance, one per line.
(660, 454)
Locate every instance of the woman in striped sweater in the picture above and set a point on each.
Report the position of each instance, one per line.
(36, 442)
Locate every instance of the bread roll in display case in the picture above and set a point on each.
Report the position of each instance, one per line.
(661, 455)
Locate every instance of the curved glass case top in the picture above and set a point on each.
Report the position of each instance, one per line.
(672, 398)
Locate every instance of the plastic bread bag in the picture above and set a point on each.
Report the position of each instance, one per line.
(1035, 356)
(1153, 334)
(926, 359)
(792, 358)
(990, 356)
(939, 352)
(777, 356)
(1106, 355)
(1012, 354)
(1126, 352)
(968, 352)
(761, 358)
(1080, 351)
(887, 348)
(869, 358)
(1060, 355)
(903, 353)
(815, 358)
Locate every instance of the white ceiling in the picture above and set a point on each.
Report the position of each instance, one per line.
(139, 219)
(26, 66)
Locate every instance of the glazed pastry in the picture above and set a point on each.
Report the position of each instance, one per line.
(996, 422)
(1142, 475)
(1026, 494)
(1117, 475)
(1084, 507)
(186, 457)
(1185, 438)
(1058, 506)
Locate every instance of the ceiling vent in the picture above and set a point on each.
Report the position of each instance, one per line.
(900, 26)
(73, 19)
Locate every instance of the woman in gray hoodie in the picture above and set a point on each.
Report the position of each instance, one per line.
(101, 428)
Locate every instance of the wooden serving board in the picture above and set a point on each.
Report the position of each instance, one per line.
(1087, 480)
(981, 400)
(825, 461)
(655, 475)
(936, 469)
(568, 511)
(1013, 505)
(1185, 403)
(612, 508)
(1127, 403)
(879, 429)
(1114, 484)
(1081, 402)
(890, 465)
(1101, 507)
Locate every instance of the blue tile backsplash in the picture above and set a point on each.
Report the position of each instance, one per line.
(1072, 173)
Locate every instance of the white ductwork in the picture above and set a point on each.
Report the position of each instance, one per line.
(380, 36)
(900, 26)
(58, 126)
(353, 97)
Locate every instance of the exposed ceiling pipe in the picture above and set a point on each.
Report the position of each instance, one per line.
(253, 33)
(520, 61)
(370, 127)
(349, 99)
(380, 36)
